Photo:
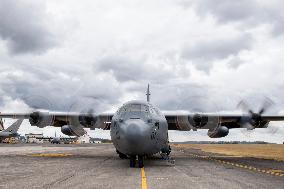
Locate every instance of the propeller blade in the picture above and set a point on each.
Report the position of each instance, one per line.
(267, 103)
(243, 105)
(248, 126)
(254, 119)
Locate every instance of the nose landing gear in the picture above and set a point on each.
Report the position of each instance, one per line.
(132, 161)
(140, 161)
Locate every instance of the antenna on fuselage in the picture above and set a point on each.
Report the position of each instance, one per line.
(148, 93)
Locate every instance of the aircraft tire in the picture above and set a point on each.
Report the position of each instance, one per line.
(132, 161)
(140, 161)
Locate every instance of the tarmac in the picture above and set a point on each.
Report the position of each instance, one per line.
(98, 166)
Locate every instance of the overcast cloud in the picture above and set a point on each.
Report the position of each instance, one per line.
(24, 27)
(197, 55)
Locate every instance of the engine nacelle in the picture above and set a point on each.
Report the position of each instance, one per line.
(41, 119)
(218, 132)
(72, 130)
(254, 121)
(198, 120)
(87, 121)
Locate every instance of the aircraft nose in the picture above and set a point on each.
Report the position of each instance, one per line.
(135, 132)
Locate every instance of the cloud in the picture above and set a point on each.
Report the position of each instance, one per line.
(23, 27)
(44, 89)
(204, 52)
(196, 56)
(247, 13)
(127, 68)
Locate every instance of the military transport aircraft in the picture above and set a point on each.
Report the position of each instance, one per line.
(11, 131)
(139, 129)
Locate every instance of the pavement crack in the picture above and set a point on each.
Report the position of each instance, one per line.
(58, 181)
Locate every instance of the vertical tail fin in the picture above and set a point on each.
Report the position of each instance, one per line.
(15, 126)
(148, 93)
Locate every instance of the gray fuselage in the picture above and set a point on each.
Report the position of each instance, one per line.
(139, 128)
(6, 134)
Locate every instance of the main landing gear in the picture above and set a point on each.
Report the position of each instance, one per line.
(140, 161)
(132, 161)
(165, 153)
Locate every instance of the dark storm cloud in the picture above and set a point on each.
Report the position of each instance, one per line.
(57, 90)
(22, 26)
(247, 12)
(121, 67)
(202, 53)
(126, 68)
(227, 10)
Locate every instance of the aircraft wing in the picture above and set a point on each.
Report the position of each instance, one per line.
(186, 122)
(58, 119)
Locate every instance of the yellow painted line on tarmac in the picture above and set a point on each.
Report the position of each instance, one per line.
(50, 155)
(143, 179)
(276, 171)
(273, 172)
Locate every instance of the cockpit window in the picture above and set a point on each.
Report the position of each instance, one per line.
(154, 111)
(138, 108)
(121, 110)
(157, 111)
(135, 108)
(144, 108)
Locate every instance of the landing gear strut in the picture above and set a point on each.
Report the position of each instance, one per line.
(132, 161)
(166, 156)
(140, 161)
(167, 151)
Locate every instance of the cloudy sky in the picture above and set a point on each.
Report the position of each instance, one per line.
(198, 55)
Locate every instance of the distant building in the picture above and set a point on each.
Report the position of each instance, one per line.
(34, 138)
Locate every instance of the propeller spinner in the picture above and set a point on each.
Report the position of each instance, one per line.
(253, 119)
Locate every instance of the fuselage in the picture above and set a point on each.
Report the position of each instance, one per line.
(6, 134)
(139, 128)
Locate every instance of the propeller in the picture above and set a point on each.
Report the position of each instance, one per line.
(197, 105)
(39, 108)
(87, 106)
(253, 119)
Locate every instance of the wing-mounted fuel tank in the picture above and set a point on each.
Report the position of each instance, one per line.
(218, 132)
(72, 130)
(41, 119)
